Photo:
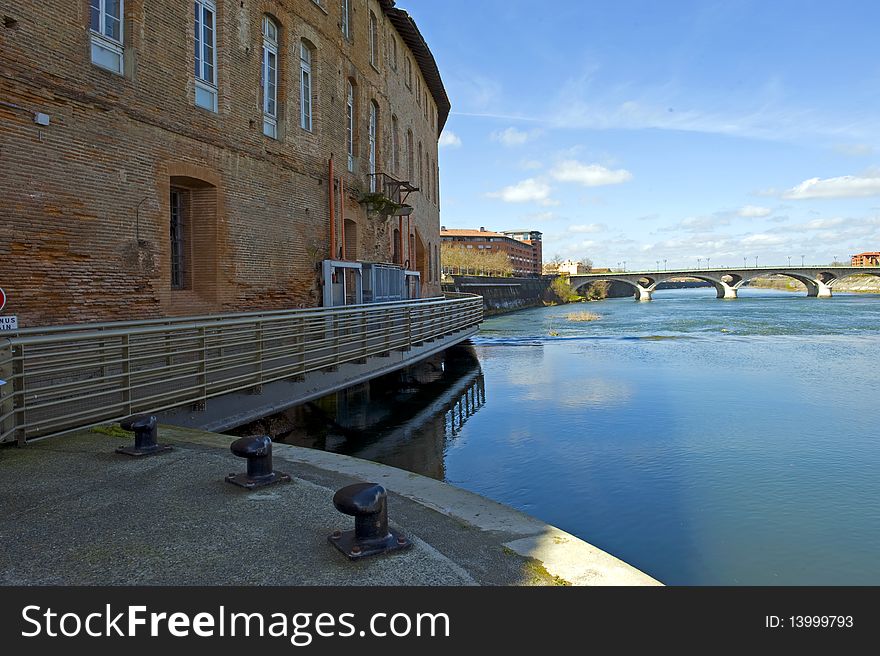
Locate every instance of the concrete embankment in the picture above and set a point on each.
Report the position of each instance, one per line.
(76, 513)
(502, 295)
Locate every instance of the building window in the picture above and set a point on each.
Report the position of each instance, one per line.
(421, 168)
(408, 72)
(410, 157)
(305, 89)
(178, 240)
(418, 91)
(270, 78)
(349, 114)
(374, 40)
(395, 145)
(206, 54)
(394, 52)
(374, 124)
(105, 22)
(345, 24)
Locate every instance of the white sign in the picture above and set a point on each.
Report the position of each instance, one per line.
(9, 323)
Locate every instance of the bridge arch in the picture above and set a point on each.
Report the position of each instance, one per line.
(837, 279)
(816, 287)
(725, 285)
(638, 291)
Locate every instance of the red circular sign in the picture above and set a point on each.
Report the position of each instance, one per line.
(2, 300)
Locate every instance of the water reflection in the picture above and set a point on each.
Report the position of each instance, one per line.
(403, 420)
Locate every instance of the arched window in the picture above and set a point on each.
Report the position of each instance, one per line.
(305, 88)
(374, 128)
(374, 40)
(395, 145)
(410, 157)
(349, 127)
(270, 77)
(421, 169)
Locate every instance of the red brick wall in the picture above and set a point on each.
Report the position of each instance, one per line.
(78, 193)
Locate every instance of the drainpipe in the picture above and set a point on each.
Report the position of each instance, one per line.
(342, 213)
(409, 241)
(332, 212)
(400, 240)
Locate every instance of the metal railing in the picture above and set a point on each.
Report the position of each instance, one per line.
(68, 377)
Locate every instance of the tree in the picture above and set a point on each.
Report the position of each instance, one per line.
(552, 265)
(586, 262)
(478, 262)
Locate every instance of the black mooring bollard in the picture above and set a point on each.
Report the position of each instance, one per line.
(258, 451)
(368, 504)
(146, 434)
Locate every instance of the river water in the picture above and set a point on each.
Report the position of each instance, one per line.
(706, 442)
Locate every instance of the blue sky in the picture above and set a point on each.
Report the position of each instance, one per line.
(639, 131)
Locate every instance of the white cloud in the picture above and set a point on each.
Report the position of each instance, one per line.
(513, 137)
(847, 186)
(764, 239)
(854, 150)
(753, 212)
(589, 175)
(527, 191)
(589, 228)
(449, 140)
(541, 216)
(530, 165)
(822, 224)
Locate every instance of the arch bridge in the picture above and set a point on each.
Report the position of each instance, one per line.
(819, 280)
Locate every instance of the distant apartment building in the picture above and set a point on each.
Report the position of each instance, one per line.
(572, 268)
(866, 259)
(522, 247)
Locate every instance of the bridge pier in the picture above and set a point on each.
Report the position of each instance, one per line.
(819, 289)
(643, 294)
(724, 290)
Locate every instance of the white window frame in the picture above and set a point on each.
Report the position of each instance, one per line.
(374, 41)
(305, 86)
(206, 89)
(106, 51)
(345, 23)
(349, 113)
(374, 122)
(269, 79)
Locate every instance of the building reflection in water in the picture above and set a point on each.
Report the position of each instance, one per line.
(405, 420)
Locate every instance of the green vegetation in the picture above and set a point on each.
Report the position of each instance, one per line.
(598, 291)
(535, 571)
(113, 430)
(582, 316)
(561, 292)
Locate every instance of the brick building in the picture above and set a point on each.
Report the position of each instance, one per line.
(866, 260)
(158, 161)
(524, 255)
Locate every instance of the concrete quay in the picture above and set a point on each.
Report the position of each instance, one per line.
(77, 513)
